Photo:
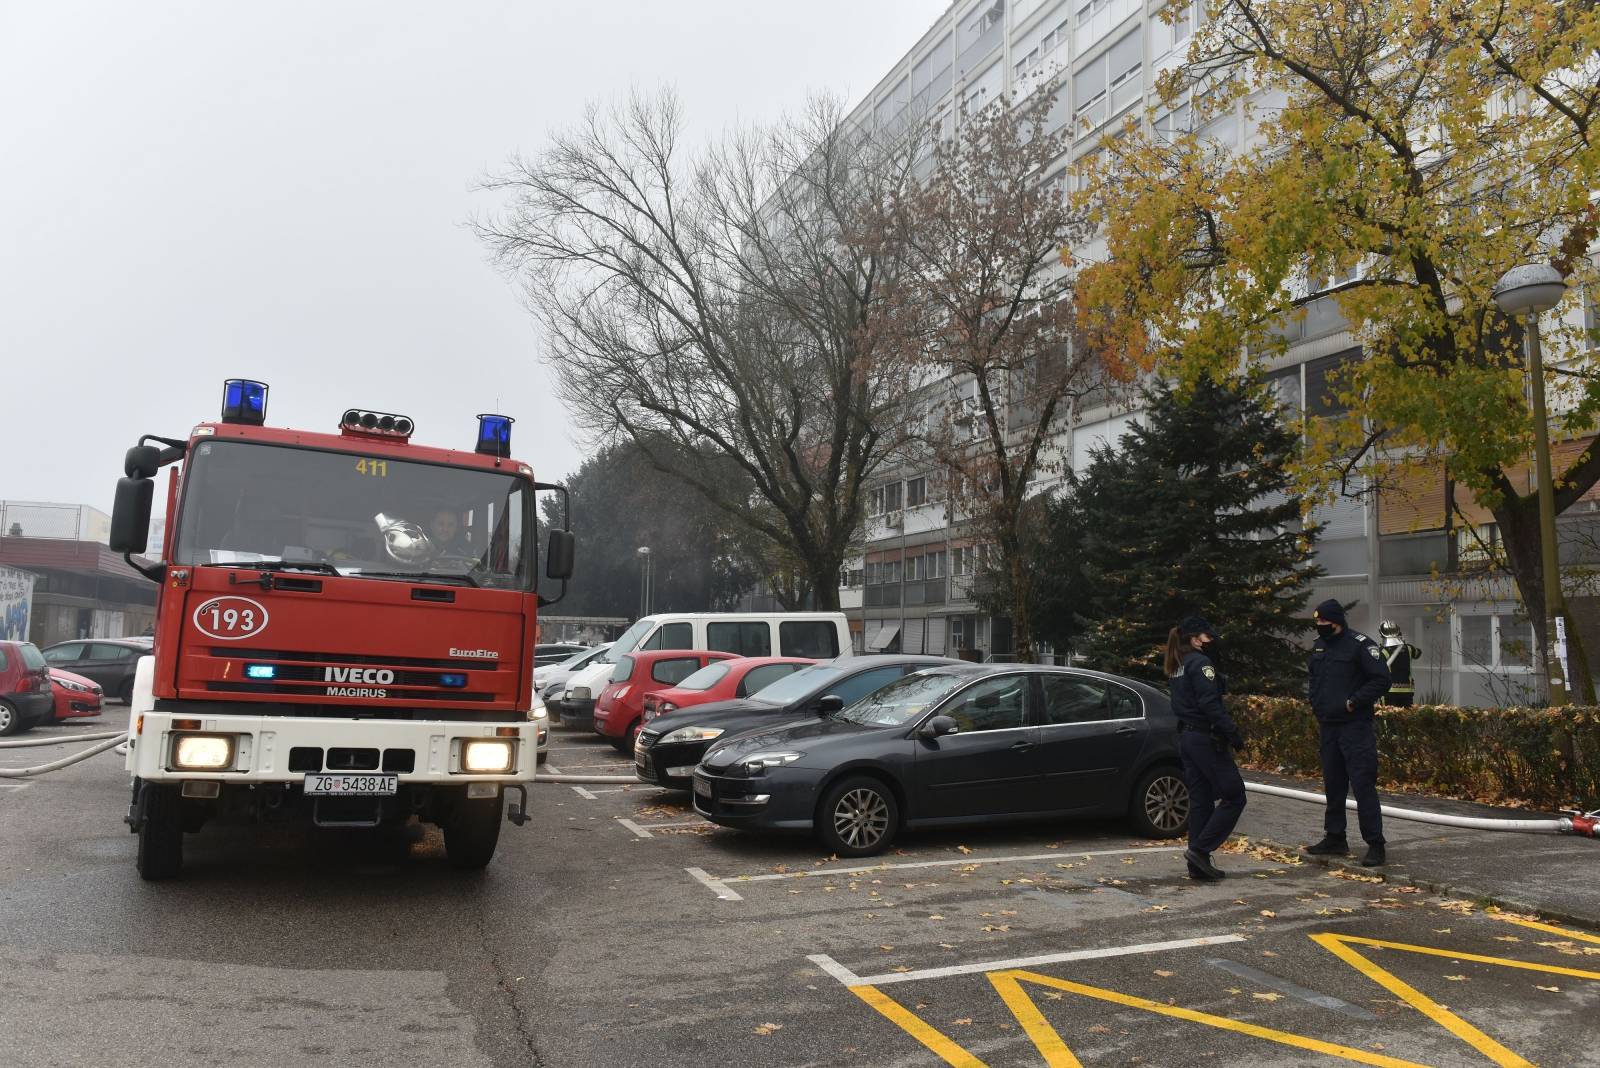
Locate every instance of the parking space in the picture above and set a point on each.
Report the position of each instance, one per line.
(1078, 944)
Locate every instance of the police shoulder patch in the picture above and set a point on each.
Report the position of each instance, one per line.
(1209, 672)
(1376, 653)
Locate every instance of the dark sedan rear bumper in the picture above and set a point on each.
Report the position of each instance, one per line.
(778, 800)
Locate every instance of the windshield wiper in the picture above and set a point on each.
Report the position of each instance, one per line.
(285, 565)
(424, 576)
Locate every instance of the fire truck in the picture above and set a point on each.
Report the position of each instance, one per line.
(345, 629)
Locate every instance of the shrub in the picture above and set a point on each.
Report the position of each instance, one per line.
(1543, 757)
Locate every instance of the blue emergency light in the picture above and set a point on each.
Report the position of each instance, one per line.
(494, 435)
(452, 680)
(260, 671)
(244, 401)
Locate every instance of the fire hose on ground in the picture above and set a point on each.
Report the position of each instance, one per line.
(102, 743)
(1576, 823)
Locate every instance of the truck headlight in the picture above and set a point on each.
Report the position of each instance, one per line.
(485, 754)
(202, 752)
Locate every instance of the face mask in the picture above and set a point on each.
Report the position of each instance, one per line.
(1326, 630)
(1212, 648)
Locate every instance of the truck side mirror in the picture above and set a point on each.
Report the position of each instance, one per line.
(142, 461)
(130, 514)
(938, 727)
(558, 558)
(828, 704)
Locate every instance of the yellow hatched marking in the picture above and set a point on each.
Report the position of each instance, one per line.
(1550, 928)
(1340, 946)
(1056, 1054)
(913, 1025)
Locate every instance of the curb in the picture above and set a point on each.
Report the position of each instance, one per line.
(1388, 874)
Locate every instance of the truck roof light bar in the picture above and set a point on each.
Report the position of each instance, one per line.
(494, 435)
(244, 401)
(361, 421)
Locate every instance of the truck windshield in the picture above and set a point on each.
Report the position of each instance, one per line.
(247, 503)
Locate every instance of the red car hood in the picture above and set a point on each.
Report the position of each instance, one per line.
(57, 673)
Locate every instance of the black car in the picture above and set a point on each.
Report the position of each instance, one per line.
(957, 745)
(109, 661)
(669, 746)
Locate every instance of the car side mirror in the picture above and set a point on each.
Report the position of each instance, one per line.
(938, 727)
(558, 558)
(130, 514)
(829, 704)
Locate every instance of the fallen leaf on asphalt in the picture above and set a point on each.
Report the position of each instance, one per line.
(1268, 913)
(1008, 912)
(1099, 1029)
(1268, 953)
(886, 948)
(1456, 978)
(1005, 882)
(1240, 901)
(900, 968)
(946, 945)
(1267, 997)
(1441, 930)
(1350, 876)
(768, 1028)
(1507, 938)
(1408, 890)
(963, 850)
(935, 917)
(1051, 994)
(997, 927)
(1163, 973)
(1157, 908)
(1550, 989)
(965, 1021)
(1235, 990)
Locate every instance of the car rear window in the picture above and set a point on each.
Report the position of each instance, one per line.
(675, 670)
(5, 661)
(623, 671)
(759, 678)
(705, 678)
(32, 658)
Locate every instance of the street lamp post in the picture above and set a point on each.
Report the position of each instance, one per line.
(646, 574)
(1527, 292)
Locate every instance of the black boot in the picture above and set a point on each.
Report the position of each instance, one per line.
(1375, 858)
(1329, 847)
(1200, 867)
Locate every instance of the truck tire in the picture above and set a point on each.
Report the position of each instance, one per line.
(160, 834)
(473, 831)
(10, 722)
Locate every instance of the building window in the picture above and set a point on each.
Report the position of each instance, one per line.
(1116, 75)
(916, 492)
(1591, 318)
(934, 565)
(962, 561)
(913, 569)
(885, 499)
(1495, 643)
(1096, 18)
(1166, 36)
(1477, 546)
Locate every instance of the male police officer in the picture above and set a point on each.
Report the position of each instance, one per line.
(1348, 675)
(1398, 654)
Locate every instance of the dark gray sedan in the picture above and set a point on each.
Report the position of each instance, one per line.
(956, 745)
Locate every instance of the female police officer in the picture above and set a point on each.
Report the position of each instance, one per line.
(1205, 731)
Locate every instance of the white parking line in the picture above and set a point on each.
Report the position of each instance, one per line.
(716, 886)
(643, 829)
(614, 765)
(585, 794)
(956, 862)
(850, 978)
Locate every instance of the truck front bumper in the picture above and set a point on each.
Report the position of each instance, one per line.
(284, 749)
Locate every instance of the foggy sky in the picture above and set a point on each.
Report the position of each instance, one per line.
(279, 191)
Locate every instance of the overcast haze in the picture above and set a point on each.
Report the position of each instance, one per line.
(279, 191)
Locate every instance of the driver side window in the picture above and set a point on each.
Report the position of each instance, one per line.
(991, 705)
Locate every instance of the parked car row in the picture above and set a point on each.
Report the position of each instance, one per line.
(33, 692)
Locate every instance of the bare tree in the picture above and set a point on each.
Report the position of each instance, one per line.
(718, 302)
(986, 313)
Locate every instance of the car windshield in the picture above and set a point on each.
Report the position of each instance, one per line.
(248, 503)
(902, 700)
(579, 658)
(798, 685)
(705, 678)
(630, 637)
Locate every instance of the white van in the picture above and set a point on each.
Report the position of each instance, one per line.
(819, 635)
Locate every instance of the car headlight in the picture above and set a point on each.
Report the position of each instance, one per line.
(577, 693)
(759, 762)
(485, 754)
(691, 734)
(68, 684)
(538, 711)
(202, 752)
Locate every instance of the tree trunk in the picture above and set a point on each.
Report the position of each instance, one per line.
(824, 578)
(1021, 608)
(1519, 530)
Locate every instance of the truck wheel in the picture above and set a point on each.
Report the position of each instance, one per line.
(161, 834)
(473, 831)
(9, 721)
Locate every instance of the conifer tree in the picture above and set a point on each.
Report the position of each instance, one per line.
(1193, 513)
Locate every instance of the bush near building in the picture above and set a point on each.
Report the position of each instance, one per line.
(1541, 757)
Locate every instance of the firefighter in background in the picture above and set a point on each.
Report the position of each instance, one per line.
(1398, 654)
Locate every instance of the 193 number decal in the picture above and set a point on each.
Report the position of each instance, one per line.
(230, 618)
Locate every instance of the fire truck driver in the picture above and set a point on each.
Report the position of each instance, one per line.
(449, 540)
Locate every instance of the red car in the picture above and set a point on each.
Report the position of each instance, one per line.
(24, 687)
(619, 710)
(74, 695)
(725, 680)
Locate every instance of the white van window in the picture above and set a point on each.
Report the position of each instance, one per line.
(740, 639)
(671, 636)
(817, 639)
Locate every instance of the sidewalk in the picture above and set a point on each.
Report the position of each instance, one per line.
(1556, 876)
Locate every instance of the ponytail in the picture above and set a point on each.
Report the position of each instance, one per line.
(1175, 643)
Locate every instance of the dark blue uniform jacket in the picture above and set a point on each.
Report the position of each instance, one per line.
(1197, 697)
(1348, 667)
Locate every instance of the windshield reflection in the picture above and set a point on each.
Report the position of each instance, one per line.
(902, 700)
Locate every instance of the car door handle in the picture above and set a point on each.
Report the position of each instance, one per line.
(1127, 730)
(1022, 747)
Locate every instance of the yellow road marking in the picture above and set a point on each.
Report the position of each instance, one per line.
(1550, 928)
(917, 1028)
(1340, 946)
(1056, 1054)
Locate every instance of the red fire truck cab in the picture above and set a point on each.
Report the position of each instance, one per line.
(345, 629)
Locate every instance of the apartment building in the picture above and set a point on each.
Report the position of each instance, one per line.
(1405, 555)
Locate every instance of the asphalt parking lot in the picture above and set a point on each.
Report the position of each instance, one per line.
(621, 929)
